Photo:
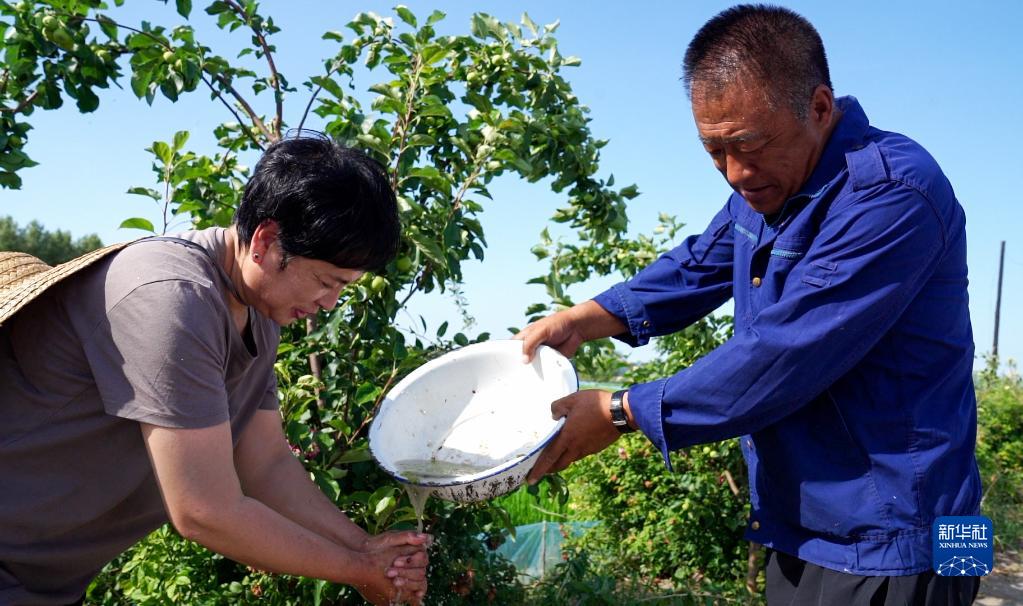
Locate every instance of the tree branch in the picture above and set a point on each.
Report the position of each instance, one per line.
(731, 483)
(457, 202)
(753, 568)
(309, 106)
(22, 105)
(275, 78)
(167, 170)
(256, 121)
(417, 282)
(406, 120)
(376, 406)
(251, 113)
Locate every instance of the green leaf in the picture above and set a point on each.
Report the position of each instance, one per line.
(10, 180)
(184, 7)
(87, 100)
(433, 53)
(140, 80)
(180, 138)
(163, 152)
(359, 454)
(108, 26)
(435, 16)
(327, 484)
(406, 15)
(383, 504)
(421, 140)
(330, 85)
(435, 110)
(529, 23)
(429, 248)
(137, 223)
(367, 392)
(144, 191)
(169, 89)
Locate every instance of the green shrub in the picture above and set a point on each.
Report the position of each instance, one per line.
(683, 529)
(580, 581)
(1000, 452)
(684, 526)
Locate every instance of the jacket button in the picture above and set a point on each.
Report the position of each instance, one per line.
(755, 525)
(756, 282)
(646, 323)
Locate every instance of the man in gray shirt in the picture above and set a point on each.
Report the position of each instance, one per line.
(141, 389)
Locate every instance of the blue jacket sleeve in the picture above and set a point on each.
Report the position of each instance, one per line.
(677, 289)
(866, 264)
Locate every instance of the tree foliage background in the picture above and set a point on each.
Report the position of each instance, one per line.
(53, 247)
(446, 115)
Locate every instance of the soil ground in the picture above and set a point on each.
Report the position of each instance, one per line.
(1004, 586)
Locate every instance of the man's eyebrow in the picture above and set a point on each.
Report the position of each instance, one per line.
(729, 140)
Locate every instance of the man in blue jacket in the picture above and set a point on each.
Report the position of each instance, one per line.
(849, 374)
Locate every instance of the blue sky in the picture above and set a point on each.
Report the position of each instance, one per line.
(948, 74)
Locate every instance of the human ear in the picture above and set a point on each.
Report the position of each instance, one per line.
(264, 237)
(822, 105)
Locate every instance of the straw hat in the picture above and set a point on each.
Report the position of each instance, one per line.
(24, 277)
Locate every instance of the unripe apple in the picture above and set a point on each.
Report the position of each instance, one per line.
(168, 56)
(378, 284)
(403, 264)
(62, 38)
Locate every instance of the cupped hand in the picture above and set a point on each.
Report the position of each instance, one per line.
(396, 567)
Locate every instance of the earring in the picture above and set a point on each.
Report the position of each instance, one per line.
(256, 257)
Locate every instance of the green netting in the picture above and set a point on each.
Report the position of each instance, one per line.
(536, 548)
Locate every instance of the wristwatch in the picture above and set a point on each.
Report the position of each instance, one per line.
(618, 417)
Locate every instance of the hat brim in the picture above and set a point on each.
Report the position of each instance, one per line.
(37, 280)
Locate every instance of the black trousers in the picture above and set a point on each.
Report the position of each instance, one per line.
(794, 582)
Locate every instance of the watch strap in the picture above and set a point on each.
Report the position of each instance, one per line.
(618, 417)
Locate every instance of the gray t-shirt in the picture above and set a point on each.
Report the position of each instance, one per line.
(142, 336)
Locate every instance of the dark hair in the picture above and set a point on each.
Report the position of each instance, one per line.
(330, 202)
(774, 46)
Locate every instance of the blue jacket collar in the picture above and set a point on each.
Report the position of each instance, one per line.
(849, 134)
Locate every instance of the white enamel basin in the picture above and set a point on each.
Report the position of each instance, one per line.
(477, 418)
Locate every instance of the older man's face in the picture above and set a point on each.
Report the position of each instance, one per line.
(765, 155)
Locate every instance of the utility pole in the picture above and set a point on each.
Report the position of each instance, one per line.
(998, 301)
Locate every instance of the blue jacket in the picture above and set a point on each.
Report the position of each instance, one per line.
(849, 376)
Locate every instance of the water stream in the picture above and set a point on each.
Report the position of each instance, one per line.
(418, 495)
(419, 470)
